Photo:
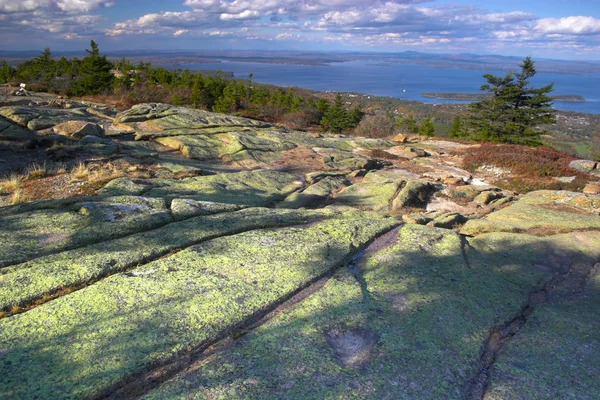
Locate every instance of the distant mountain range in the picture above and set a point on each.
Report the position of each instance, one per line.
(460, 61)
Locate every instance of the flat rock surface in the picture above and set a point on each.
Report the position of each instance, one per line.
(218, 257)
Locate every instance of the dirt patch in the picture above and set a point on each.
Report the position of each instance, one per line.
(300, 159)
(353, 347)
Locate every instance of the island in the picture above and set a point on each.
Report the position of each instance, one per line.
(480, 96)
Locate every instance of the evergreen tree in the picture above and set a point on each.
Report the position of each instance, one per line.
(356, 115)
(456, 130)
(336, 118)
(322, 105)
(513, 111)
(408, 123)
(94, 73)
(196, 96)
(426, 128)
(6, 72)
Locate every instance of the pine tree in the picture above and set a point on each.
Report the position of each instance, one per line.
(94, 73)
(513, 111)
(336, 118)
(426, 128)
(456, 130)
(6, 72)
(197, 91)
(408, 123)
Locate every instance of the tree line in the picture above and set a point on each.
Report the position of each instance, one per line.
(97, 75)
(512, 114)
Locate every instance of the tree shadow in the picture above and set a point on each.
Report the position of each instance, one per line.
(430, 310)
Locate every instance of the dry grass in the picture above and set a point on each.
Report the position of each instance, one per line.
(11, 183)
(96, 175)
(18, 197)
(80, 172)
(37, 171)
(103, 175)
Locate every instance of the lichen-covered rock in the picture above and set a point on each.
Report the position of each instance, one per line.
(407, 322)
(13, 132)
(487, 197)
(78, 129)
(252, 188)
(43, 276)
(315, 195)
(592, 188)
(108, 332)
(447, 220)
(370, 196)
(543, 212)
(583, 165)
(185, 208)
(555, 355)
(39, 232)
(414, 194)
(155, 118)
(38, 118)
(126, 186)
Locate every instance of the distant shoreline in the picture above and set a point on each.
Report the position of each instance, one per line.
(480, 96)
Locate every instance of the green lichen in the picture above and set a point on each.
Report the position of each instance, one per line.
(85, 343)
(429, 306)
(547, 212)
(43, 276)
(44, 231)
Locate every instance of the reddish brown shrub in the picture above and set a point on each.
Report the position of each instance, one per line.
(531, 168)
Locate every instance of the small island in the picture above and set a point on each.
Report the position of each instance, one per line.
(480, 96)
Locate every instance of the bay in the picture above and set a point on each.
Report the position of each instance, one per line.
(406, 82)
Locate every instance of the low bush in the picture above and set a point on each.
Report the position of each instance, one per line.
(530, 168)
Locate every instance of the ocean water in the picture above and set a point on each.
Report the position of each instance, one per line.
(402, 81)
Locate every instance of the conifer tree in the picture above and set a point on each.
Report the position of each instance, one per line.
(426, 128)
(336, 118)
(456, 130)
(94, 73)
(513, 111)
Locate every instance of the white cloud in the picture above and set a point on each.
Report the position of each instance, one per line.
(73, 6)
(576, 25)
(246, 14)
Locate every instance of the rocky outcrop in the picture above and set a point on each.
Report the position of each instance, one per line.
(78, 129)
(252, 261)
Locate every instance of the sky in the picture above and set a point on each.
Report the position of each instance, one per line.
(565, 29)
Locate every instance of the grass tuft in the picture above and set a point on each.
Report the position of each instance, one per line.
(11, 183)
(37, 171)
(80, 172)
(18, 197)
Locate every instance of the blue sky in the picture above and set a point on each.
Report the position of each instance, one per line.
(567, 29)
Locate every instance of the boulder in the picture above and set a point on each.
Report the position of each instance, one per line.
(453, 181)
(400, 138)
(79, 129)
(39, 118)
(487, 197)
(583, 165)
(414, 194)
(592, 188)
(543, 212)
(13, 132)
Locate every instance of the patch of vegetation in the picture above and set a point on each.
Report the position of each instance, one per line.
(513, 112)
(129, 84)
(531, 168)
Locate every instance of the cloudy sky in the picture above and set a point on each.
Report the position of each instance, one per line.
(566, 29)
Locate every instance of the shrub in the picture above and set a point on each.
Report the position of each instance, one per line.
(531, 168)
